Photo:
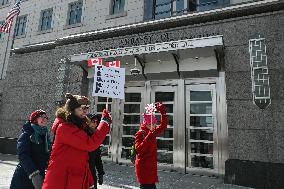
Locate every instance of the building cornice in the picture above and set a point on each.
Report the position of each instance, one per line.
(230, 12)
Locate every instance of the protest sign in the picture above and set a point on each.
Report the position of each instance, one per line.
(109, 82)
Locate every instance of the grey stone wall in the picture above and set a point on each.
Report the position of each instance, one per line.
(31, 84)
(254, 134)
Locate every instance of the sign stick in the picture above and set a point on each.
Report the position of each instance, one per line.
(151, 122)
(107, 104)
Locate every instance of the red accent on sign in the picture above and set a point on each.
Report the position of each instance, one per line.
(113, 64)
(95, 61)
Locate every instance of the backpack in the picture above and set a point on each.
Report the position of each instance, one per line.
(133, 150)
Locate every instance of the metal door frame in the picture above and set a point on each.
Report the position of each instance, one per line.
(203, 87)
(166, 86)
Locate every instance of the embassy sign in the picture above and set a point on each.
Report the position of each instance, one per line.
(152, 48)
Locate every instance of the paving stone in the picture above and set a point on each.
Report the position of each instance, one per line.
(122, 176)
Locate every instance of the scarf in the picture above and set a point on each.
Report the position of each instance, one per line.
(41, 131)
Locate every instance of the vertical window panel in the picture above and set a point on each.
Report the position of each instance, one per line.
(75, 12)
(46, 19)
(20, 26)
(117, 6)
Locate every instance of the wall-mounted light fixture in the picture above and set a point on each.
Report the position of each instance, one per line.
(135, 71)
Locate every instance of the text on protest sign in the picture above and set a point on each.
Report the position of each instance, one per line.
(109, 82)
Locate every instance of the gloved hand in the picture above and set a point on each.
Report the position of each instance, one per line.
(161, 108)
(100, 179)
(106, 117)
(37, 181)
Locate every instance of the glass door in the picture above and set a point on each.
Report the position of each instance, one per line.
(202, 148)
(132, 107)
(168, 96)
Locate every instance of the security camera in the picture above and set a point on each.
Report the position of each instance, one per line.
(135, 71)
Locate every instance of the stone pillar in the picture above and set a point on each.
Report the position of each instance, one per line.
(62, 76)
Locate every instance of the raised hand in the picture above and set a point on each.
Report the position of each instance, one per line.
(161, 107)
(106, 117)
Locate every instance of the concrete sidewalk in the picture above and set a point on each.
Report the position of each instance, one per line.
(122, 176)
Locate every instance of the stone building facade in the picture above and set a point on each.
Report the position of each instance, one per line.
(226, 110)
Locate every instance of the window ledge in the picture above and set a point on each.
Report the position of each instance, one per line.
(72, 26)
(118, 15)
(4, 6)
(45, 31)
(20, 36)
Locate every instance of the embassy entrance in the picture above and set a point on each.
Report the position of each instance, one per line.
(194, 136)
(189, 81)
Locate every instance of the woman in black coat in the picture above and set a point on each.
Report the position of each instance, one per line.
(95, 161)
(33, 147)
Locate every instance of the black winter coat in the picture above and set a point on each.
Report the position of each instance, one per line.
(31, 156)
(96, 165)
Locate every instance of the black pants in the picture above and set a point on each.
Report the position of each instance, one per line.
(148, 186)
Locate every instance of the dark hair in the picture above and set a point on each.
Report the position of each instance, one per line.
(72, 118)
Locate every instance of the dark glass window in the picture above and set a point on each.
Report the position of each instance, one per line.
(127, 141)
(117, 6)
(164, 96)
(46, 19)
(75, 12)
(3, 2)
(131, 108)
(201, 161)
(200, 96)
(101, 107)
(1, 23)
(20, 28)
(132, 97)
(104, 99)
(163, 8)
(131, 119)
(165, 157)
(127, 130)
(179, 6)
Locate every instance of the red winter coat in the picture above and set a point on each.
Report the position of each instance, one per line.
(68, 165)
(146, 152)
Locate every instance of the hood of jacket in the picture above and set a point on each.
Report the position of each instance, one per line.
(60, 118)
(27, 127)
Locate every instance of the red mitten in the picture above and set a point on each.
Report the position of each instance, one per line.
(106, 117)
(161, 107)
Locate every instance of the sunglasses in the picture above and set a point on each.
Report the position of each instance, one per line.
(85, 107)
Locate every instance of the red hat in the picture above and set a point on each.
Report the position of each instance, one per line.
(36, 114)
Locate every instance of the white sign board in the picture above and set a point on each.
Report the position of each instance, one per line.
(109, 82)
(152, 48)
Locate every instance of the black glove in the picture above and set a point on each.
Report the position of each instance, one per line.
(100, 179)
(37, 181)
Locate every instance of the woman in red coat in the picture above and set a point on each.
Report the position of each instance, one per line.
(68, 165)
(146, 149)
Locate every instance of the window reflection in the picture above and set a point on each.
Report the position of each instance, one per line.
(202, 161)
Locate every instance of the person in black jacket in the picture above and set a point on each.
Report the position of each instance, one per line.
(33, 147)
(95, 161)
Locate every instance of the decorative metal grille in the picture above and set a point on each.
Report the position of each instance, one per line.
(259, 72)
